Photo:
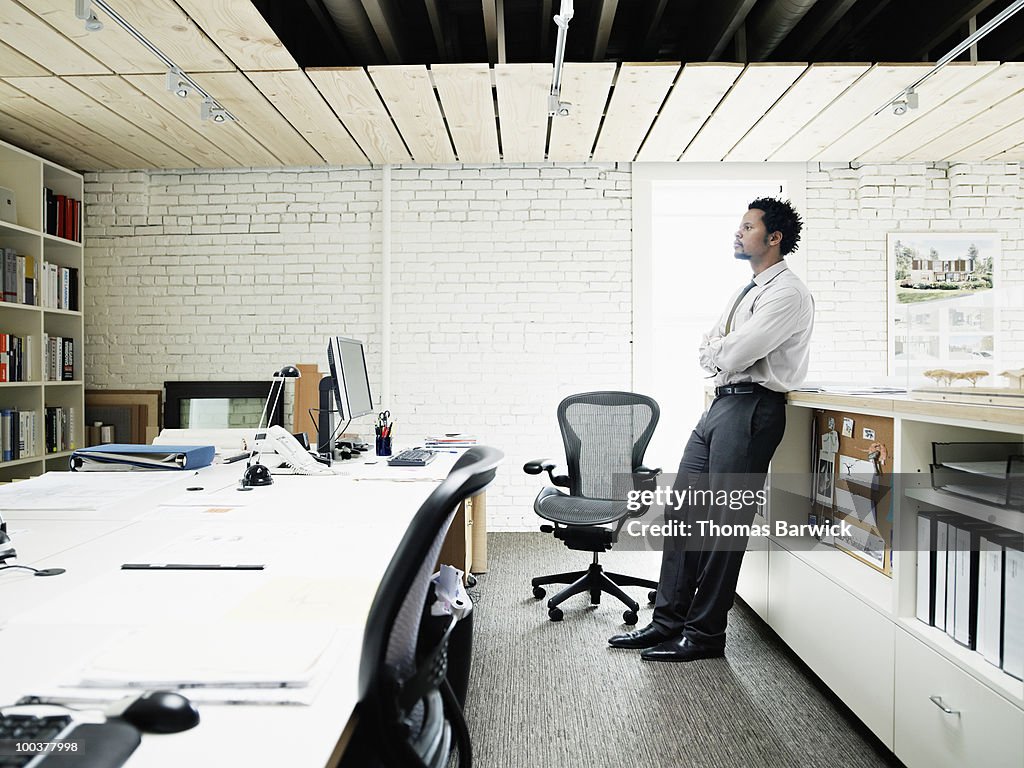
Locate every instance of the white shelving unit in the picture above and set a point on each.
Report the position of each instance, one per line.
(28, 175)
(856, 628)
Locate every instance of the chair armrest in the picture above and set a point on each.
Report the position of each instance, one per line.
(646, 478)
(537, 466)
(642, 470)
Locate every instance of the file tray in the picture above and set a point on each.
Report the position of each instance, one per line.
(992, 473)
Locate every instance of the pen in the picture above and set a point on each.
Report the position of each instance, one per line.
(191, 567)
(233, 459)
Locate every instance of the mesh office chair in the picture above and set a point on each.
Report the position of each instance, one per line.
(605, 436)
(407, 712)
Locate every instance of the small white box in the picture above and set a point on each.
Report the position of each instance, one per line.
(8, 205)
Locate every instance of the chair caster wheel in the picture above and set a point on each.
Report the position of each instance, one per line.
(555, 614)
(539, 592)
(470, 580)
(630, 617)
(652, 596)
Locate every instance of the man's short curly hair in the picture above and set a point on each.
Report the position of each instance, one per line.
(780, 216)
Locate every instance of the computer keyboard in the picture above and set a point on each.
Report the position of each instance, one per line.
(412, 457)
(41, 735)
(27, 732)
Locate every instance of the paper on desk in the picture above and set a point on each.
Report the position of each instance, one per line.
(435, 471)
(80, 491)
(233, 654)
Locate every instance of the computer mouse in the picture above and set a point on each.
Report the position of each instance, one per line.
(160, 712)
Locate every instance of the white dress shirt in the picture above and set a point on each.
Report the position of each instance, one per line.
(769, 343)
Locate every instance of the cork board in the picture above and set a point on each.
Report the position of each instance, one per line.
(851, 478)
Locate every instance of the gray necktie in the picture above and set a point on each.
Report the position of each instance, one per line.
(732, 312)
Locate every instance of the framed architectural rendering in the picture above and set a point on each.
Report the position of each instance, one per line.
(943, 310)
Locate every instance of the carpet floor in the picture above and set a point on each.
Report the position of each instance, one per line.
(549, 694)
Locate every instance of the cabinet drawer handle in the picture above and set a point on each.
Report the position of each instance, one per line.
(937, 701)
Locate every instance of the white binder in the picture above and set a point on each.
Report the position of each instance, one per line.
(990, 601)
(1013, 613)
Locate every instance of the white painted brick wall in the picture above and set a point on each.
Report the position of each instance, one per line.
(511, 285)
(850, 210)
(511, 288)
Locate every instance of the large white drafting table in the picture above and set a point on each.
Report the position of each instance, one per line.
(326, 542)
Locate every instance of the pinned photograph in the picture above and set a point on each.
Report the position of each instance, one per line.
(856, 471)
(847, 426)
(824, 486)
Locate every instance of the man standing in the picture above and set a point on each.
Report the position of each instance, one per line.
(757, 352)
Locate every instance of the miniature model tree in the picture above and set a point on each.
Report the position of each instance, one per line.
(972, 376)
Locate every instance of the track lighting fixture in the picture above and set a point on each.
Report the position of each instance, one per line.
(211, 110)
(177, 83)
(907, 99)
(555, 105)
(84, 11)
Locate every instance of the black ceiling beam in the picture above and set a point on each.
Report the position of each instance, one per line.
(385, 20)
(716, 27)
(605, 19)
(647, 43)
(769, 24)
(831, 46)
(957, 19)
(822, 18)
(434, 15)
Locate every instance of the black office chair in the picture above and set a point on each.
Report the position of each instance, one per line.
(407, 712)
(605, 436)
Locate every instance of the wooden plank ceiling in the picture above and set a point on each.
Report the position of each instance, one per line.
(98, 100)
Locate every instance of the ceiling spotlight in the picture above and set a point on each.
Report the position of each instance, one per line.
(177, 84)
(211, 110)
(906, 101)
(84, 12)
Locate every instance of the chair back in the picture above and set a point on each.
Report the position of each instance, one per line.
(389, 658)
(605, 436)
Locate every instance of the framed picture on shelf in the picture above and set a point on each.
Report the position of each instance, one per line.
(943, 309)
(134, 414)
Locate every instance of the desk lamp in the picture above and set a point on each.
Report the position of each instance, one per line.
(257, 474)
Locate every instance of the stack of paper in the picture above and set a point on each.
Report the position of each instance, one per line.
(450, 440)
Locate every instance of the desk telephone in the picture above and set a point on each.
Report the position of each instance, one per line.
(277, 440)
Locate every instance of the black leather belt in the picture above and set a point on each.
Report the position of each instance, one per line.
(746, 389)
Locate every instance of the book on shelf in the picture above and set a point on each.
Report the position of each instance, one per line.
(17, 434)
(10, 277)
(14, 363)
(17, 278)
(63, 215)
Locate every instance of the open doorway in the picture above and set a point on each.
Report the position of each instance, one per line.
(685, 274)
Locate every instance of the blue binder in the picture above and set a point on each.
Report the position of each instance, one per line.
(124, 456)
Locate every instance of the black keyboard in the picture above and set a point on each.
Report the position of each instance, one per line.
(19, 729)
(413, 457)
(89, 739)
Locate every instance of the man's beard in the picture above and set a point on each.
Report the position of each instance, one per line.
(741, 255)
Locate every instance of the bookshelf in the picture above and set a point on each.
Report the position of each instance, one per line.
(43, 300)
(856, 628)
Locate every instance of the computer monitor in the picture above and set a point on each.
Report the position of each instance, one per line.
(351, 382)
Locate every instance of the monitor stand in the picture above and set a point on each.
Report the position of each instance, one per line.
(325, 418)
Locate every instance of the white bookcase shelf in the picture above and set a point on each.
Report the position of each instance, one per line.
(28, 176)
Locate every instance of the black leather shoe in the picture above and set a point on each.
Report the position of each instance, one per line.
(680, 649)
(648, 637)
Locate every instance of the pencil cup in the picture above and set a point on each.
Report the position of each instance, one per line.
(384, 446)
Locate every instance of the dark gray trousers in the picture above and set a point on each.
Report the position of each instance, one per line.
(729, 450)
